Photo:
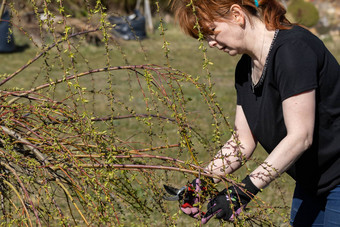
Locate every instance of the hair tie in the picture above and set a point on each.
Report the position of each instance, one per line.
(257, 3)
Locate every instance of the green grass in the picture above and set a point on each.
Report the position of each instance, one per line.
(185, 56)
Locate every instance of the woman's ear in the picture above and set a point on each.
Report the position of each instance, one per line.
(237, 15)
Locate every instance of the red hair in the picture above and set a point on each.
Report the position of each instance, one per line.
(195, 16)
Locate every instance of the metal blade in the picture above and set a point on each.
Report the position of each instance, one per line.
(178, 193)
(171, 190)
(172, 198)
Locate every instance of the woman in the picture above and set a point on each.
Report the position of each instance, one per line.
(288, 100)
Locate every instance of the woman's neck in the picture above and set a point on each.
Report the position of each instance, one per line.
(258, 44)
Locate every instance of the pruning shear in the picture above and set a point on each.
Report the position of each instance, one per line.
(187, 195)
(176, 194)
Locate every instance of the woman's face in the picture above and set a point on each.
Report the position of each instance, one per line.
(228, 37)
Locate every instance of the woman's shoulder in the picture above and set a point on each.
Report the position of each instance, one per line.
(296, 30)
(298, 34)
(298, 40)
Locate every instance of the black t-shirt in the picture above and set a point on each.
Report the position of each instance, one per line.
(297, 62)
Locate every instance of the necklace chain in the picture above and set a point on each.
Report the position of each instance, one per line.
(265, 64)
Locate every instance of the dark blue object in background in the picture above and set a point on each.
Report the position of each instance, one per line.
(130, 27)
(6, 38)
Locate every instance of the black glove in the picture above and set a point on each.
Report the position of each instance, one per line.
(196, 192)
(230, 202)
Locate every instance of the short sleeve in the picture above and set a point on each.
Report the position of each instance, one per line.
(295, 69)
(241, 76)
(238, 97)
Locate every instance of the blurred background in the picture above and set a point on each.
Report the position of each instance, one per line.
(321, 16)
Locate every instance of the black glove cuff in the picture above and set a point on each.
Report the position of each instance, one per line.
(250, 187)
(243, 194)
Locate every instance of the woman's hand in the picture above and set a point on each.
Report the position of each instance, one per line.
(230, 202)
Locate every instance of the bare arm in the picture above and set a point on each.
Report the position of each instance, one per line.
(299, 116)
(229, 158)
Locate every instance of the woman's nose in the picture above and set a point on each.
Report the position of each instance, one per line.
(212, 43)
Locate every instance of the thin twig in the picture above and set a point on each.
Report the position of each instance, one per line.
(42, 53)
(18, 137)
(155, 167)
(24, 189)
(19, 197)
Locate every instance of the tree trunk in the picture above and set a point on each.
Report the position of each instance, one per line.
(138, 4)
(148, 17)
(2, 9)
